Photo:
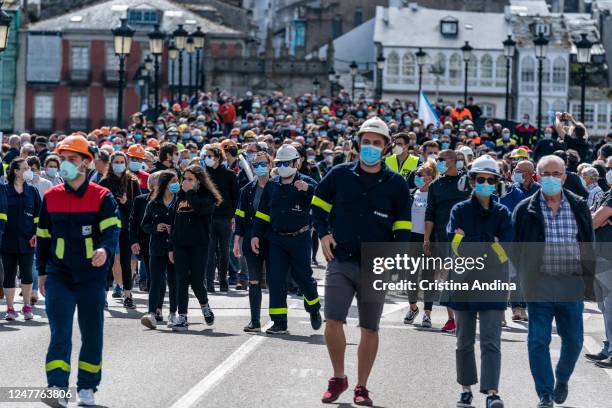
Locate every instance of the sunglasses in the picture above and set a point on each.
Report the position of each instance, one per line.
(282, 164)
(260, 164)
(488, 180)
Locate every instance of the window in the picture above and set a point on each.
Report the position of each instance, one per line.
(472, 67)
(337, 26)
(393, 68)
(409, 71)
(559, 77)
(525, 106)
(454, 69)
(426, 73)
(558, 106)
(6, 110)
(43, 106)
(439, 66)
(528, 74)
(543, 28)
(79, 57)
(111, 60)
(8, 72)
(488, 110)
(486, 70)
(546, 75)
(78, 106)
(500, 71)
(357, 18)
(110, 107)
(589, 112)
(143, 17)
(449, 26)
(602, 116)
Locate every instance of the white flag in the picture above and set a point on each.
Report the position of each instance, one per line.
(427, 113)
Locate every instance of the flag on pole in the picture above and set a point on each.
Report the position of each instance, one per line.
(427, 114)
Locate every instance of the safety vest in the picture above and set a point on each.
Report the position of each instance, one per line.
(411, 163)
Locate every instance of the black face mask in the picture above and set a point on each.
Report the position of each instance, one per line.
(233, 151)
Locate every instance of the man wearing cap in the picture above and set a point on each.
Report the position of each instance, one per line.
(356, 203)
(283, 216)
(41, 145)
(78, 231)
(400, 161)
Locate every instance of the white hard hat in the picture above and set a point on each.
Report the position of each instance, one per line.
(485, 164)
(466, 150)
(286, 153)
(375, 125)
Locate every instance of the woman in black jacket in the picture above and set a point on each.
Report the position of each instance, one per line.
(125, 187)
(157, 223)
(189, 238)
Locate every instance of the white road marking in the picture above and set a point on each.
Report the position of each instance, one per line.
(591, 345)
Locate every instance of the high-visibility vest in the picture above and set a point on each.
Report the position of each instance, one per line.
(411, 163)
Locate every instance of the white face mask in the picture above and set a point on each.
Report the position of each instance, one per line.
(210, 162)
(28, 175)
(459, 164)
(286, 172)
(397, 150)
(609, 177)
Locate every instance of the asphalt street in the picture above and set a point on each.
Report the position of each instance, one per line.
(221, 366)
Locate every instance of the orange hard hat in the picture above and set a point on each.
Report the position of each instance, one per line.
(96, 132)
(235, 132)
(105, 130)
(77, 144)
(136, 151)
(154, 143)
(114, 129)
(228, 142)
(176, 107)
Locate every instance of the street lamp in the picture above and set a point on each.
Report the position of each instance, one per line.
(583, 55)
(331, 75)
(123, 43)
(190, 51)
(173, 55)
(156, 46)
(180, 42)
(540, 50)
(380, 65)
(353, 68)
(467, 56)
(316, 85)
(509, 49)
(198, 41)
(5, 27)
(420, 59)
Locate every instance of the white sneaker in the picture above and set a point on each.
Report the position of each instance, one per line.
(55, 402)
(172, 319)
(148, 320)
(86, 398)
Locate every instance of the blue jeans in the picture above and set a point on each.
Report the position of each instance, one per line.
(34, 274)
(568, 317)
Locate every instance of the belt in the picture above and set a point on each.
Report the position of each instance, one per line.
(292, 234)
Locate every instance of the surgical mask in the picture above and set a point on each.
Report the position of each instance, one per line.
(445, 145)
(249, 157)
(69, 171)
(488, 129)
(397, 150)
(506, 136)
(459, 107)
(134, 166)
(419, 181)
(442, 167)
(185, 162)
(447, 131)
(209, 161)
(518, 178)
(261, 171)
(175, 160)
(117, 147)
(547, 136)
(198, 139)
(359, 114)
(329, 159)
(370, 155)
(525, 121)
(138, 137)
(459, 164)
(28, 175)
(552, 185)
(174, 187)
(407, 121)
(286, 172)
(311, 158)
(51, 172)
(118, 168)
(484, 189)
(609, 177)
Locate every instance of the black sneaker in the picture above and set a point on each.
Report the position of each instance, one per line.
(223, 287)
(596, 357)
(278, 328)
(128, 303)
(605, 363)
(411, 315)
(181, 323)
(315, 320)
(252, 327)
(232, 281)
(546, 402)
(142, 285)
(158, 317)
(560, 393)
(210, 288)
(465, 400)
(209, 316)
(494, 401)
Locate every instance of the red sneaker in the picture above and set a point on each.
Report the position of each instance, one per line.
(361, 396)
(335, 387)
(450, 326)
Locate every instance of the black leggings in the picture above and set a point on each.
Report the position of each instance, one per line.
(218, 250)
(161, 269)
(125, 259)
(11, 261)
(315, 244)
(189, 269)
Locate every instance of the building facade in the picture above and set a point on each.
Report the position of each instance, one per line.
(8, 72)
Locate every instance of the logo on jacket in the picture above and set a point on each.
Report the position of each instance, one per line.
(382, 215)
(297, 208)
(86, 229)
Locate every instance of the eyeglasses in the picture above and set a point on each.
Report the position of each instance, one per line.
(260, 164)
(556, 174)
(441, 159)
(282, 164)
(488, 180)
(208, 156)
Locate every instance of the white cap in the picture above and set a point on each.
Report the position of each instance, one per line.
(375, 125)
(466, 150)
(286, 153)
(485, 164)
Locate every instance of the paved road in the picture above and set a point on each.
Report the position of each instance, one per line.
(224, 367)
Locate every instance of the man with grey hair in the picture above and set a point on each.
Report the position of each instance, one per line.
(14, 146)
(25, 138)
(590, 178)
(27, 150)
(553, 254)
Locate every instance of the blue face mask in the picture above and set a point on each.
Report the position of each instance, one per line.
(68, 171)
(359, 114)
(135, 166)
(518, 178)
(174, 187)
(117, 147)
(261, 171)
(137, 137)
(551, 185)
(407, 122)
(51, 172)
(441, 166)
(484, 189)
(447, 131)
(118, 168)
(419, 181)
(185, 162)
(445, 145)
(370, 155)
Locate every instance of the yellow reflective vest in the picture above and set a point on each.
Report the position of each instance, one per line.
(411, 163)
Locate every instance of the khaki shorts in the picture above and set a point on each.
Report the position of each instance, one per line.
(342, 283)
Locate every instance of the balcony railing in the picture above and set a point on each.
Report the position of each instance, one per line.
(42, 125)
(80, 76)
(77, 124)
(111, 76)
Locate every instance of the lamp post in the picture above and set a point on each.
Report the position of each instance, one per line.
(140, 77)
(509, 48)
(123, 36)
(467, 56)
(180, 42)
(540, 50)
(156, 46)
(172, 55)
(198, 41)
(380, 65)
(420, 59)
(353, 68)
(190, 51)
(316, 86)
(5, 27)
(331, 75)
(583, 55)
(148, 64)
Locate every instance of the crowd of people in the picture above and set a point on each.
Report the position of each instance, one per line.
(222, 193)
